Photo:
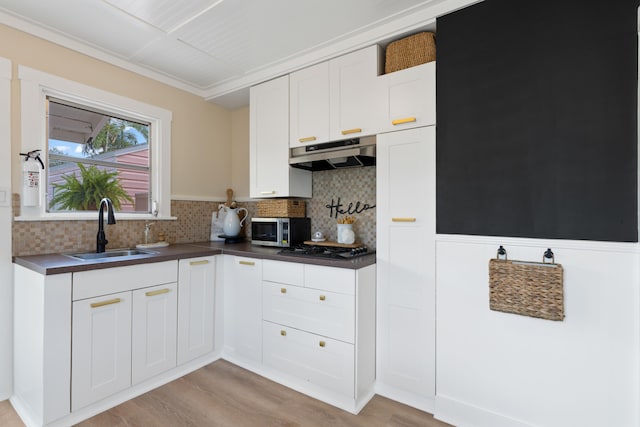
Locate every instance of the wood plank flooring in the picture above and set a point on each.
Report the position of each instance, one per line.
(225, 395)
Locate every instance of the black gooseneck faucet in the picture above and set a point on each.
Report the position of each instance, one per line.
(111, 219)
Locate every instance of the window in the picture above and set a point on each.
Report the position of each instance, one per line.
(86, 132)
(94, 154)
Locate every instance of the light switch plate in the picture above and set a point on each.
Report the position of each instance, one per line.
(5, 196)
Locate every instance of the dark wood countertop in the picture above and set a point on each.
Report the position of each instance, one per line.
(49, 264)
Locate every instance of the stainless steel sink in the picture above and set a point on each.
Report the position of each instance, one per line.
(116, 253)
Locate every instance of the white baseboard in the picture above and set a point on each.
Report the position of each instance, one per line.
(407, 398)
(461, 414)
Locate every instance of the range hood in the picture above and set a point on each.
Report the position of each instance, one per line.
(348, 153)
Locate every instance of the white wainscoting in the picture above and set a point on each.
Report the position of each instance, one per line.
(497, 369)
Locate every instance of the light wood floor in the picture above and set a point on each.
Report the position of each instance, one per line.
(223, 394)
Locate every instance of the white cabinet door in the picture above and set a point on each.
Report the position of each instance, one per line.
(101, 351)
(406, 261)
(410, 98)
(355, 93)
(270, 173)
(153, 344)
(196, 288)
(320, 312)
(322, 361)
(243, 307)
(309, 103)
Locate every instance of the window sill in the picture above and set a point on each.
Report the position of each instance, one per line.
(93, 216)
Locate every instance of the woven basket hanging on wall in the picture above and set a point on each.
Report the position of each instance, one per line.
(532, 289)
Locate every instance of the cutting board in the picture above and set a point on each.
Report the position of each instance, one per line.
(333, 244)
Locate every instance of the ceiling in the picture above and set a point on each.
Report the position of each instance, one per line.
(218, 48)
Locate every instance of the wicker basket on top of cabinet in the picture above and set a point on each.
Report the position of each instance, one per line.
(281, 208)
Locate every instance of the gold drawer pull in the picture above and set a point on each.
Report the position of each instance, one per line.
(158, 292)
(268, 192)
(402, 121)
(107, 302)
(322, 297)
(403, 219)
(307, 139)
(283, 290)
(354, 130)
(246, 263)
(283, 333)
(322, 343)
(203, 262)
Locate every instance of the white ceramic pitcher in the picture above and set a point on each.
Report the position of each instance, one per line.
(232, 223)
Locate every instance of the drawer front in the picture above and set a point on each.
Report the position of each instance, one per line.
(340, 280)
(93, 283)
(320, 312)
(283, 272)
(322, 361)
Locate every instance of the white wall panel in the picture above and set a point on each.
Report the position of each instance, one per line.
(499, 369)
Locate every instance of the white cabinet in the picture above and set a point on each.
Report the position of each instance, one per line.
(336, 99)
(196, 289)
(318, 327)
(270, 173)
(153, 331)
(354, 93)
(406, 265)
(243, 308)
(409, 98)
(309, 104)
(123, 329)
(101, 350)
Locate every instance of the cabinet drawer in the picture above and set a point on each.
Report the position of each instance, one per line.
(332, 279)
(324, 313)
(93, 283)
(283, 272)
(322, 361)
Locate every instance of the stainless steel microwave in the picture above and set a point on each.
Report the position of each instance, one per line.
(281, 232)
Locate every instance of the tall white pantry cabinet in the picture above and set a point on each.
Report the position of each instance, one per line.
(406, 266)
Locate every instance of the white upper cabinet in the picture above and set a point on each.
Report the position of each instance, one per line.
(336, 99)
(309, 103)
(270, 173)
(354, 93)
(409, 98)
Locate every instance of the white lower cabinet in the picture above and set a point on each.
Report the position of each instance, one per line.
(243, 309)
(318, 359)
(318, 329)
(101, 350)
(153, 331)
(196, 290)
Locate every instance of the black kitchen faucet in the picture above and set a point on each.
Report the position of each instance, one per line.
(102, 240)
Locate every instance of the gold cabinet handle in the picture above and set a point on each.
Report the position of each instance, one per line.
(402, 121)
(322, 343)
(246, 263)
(403, 219)
(283, 290)
(283, 333)
(307, 139)
(354, 130)
(203, 262)
(106, 302)
(158, 292)
(322, 297)
(268, 192)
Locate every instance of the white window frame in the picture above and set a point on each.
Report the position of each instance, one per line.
(36, 85)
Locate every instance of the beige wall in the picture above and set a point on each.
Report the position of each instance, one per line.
(240, 152)
(202, 132)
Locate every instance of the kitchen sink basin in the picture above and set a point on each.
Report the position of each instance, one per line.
(116, 253)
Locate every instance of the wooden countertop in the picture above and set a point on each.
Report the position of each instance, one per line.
(48, 264)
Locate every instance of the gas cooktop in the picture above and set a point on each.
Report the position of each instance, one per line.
(313, 251)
